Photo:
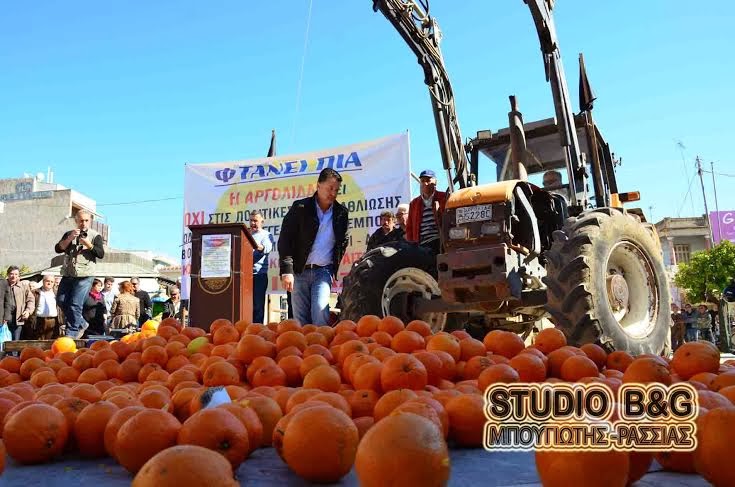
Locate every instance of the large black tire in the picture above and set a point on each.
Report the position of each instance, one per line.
(579, 264)
(362, 292)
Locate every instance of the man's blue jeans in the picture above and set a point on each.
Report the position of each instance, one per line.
(260, 285)
(706, 334)
(692, 334)
(71, 295)
(310, 296)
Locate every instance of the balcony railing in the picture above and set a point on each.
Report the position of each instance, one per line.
(102, 229)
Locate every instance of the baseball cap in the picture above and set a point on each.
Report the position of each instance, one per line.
(427, 173)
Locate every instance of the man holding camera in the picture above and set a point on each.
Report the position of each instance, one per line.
(82, 247)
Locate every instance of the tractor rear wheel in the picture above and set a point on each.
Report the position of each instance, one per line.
(607, 283)
(379, 283)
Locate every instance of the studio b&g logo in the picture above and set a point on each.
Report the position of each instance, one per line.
(583, 417)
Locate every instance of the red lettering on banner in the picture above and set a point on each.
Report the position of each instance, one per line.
(193, 218)
(275, 194)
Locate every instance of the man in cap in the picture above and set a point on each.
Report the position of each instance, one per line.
(424, 213)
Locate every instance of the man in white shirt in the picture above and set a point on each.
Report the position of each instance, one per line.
(108, 295)
(45, 320)
(264, 246)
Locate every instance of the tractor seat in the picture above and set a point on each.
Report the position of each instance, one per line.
(561, 207)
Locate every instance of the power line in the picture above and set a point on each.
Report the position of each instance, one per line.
(682, 148)
(137, 202)
(301, 74)
(720, 174)
(39, 203)
(678, 213)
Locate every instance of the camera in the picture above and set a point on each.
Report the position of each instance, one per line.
(83, 234)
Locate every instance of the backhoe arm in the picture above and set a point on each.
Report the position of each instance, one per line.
(542, 17)
(420, 31)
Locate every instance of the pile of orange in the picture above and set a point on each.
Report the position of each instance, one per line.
(380, 395)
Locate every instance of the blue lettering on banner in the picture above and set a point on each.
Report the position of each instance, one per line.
(266, 172)
(225, 174)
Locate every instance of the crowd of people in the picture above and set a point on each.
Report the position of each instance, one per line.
(34, 311)
(76, 303)
(690, 323)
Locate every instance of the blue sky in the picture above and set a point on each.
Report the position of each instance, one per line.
(117, 97)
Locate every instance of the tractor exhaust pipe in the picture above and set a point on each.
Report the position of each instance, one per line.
(517, 141)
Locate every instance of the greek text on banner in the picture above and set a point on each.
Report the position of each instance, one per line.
(375, 178)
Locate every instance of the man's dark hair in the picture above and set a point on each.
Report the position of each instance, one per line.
(328, 173)
(109, 279)
(13, 268)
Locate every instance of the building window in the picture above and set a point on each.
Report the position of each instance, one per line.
(681, 252)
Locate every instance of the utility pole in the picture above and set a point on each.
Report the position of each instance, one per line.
(704, 197)
(717, 206)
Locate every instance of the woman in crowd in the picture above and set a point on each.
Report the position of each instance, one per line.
(94, 310)
(125, 309)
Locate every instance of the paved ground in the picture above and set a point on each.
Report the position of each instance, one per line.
(264, 468)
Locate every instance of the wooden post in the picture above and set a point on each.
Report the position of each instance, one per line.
(221, 274)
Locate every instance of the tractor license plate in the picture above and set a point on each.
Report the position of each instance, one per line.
(476, 213)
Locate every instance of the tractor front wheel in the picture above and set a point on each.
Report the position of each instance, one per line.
(607, 283)
(383, 280)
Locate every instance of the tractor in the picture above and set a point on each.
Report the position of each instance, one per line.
(516, 255)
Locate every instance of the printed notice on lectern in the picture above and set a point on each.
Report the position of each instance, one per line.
(216, 256)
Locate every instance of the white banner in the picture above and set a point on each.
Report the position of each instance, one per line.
(375, 177)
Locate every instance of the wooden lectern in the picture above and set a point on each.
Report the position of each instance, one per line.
(221, 274)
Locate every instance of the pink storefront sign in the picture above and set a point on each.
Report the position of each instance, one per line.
(723, 225)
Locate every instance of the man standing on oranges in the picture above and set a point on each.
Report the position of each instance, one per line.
(311, 245)
(82, 247)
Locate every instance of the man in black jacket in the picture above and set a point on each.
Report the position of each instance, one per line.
(6, 302)
(311, 245)
(146, 304)
(387, 232)
(728, 294)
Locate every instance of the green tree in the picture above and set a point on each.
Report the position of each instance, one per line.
(24, 269)
(707, 273)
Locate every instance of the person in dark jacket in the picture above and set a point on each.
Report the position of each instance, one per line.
(146, 304)
(386, 232)
(174, 306)
(6, 302)
(728, 294)
(94, 310)
(311, 245)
